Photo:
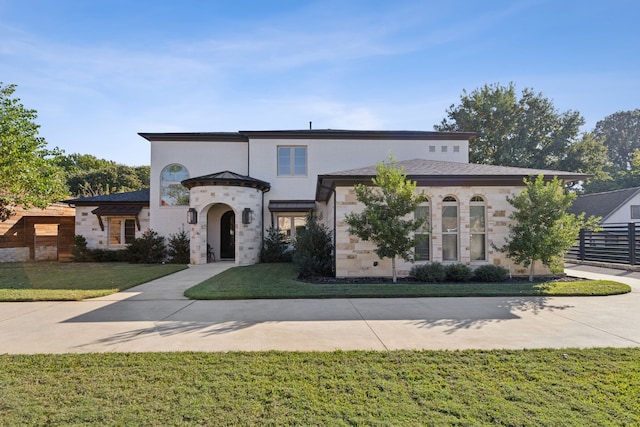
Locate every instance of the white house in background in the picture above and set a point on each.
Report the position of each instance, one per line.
(615, 207)
(227, 188)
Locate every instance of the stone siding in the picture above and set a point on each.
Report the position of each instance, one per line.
(88, 226)
(356, 258)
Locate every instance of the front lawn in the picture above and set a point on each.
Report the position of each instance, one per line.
(567, 387)
(276, 281)
(54, 281)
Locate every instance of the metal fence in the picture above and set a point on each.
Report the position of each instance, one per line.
(615, 243)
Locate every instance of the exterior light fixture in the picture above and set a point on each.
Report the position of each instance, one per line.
(247, 216)
(192, 216)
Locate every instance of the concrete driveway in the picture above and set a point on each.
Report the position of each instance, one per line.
(156, 317)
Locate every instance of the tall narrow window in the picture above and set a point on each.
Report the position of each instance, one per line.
(423, 249)
(292, 161)
(477, 216)
(449, 229)
(172, 193)
(129, 231)
(115, 231)
(121, 231)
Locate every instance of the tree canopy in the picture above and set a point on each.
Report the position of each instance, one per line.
(384, 218)
(523, 131)
(29, 175)
(542, 230)
(621, 134)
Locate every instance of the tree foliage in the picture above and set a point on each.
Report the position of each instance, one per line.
(525, 131)
(621, 134)
(89, 176)
(542, 230)
(28, 174)
(313, 253)
(384, 219)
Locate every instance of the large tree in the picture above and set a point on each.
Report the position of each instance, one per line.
(384, 219)
(542, 230)
(524, 131)
(28, 173)
(621, 134)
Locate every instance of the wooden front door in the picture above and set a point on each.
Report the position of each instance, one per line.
(227, 235)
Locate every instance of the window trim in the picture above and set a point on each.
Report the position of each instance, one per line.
(424, 230)
(451, 203)
(292, 161)
(123, 237)
(478, 201)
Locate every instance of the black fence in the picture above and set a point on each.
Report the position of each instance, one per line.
(616, 243)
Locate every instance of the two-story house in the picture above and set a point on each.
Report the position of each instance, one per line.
(227, 188)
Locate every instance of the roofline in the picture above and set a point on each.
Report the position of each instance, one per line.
(616, 208)
(244, 136)
(327, 183)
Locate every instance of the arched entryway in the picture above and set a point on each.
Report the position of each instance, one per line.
(228, 235)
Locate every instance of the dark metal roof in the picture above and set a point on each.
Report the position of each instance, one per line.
(442, 173)
(602, 204)
(227, 178)
(291, 205)
(139, 197)
(309, 134)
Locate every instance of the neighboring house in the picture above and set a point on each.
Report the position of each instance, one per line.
(111, 221)
(38, 234)
(227, 188)
(615, 207)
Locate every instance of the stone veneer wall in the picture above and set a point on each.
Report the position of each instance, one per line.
(88, 226)
(355, 258)
(248, 236)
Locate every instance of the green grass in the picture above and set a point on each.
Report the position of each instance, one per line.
(279, 281)
(53, 281)
(568, 387)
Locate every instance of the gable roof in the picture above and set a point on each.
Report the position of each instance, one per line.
(442, 173)
(139, 197)
(226, 178)
(602, 204)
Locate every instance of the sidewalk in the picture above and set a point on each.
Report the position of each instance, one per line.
(157, 317)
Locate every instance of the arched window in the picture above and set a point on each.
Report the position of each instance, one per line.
(172, 193)
(478, 227)
(423, 249)
(450, 229)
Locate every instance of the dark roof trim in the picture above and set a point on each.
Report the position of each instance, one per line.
(137, 198)
(292, 205)
(328, 183)
(227, 178)
(244, 136)
(195, 136)
(114, 210)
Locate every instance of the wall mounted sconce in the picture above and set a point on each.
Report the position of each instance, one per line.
(247, 216)
(192, 216)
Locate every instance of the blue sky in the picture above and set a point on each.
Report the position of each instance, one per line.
(98, 72)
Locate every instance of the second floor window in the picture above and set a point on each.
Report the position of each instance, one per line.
(292, 161)
(172, 193)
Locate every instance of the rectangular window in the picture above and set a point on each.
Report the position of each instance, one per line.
(456, 148)
(449, 247)
(423, 249)
(432, 148)
(635, 211)
(292, 161)
(121, 231)
(478, 232)
(443, 148)
(290, 226)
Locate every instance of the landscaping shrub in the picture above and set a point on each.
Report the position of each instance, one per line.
(275, 247)
(104, 255)
(179, 248)
(490, 273)
(432, 272)
(314, 249)
(458, 273)
(148, 249)
(79, 249)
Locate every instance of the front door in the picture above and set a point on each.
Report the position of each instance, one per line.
(227, 235)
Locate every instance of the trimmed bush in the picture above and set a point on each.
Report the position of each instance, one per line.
(179, 248)
(432, 272)
(458, 273)
(79, 249)
(148, 249)
(313, 253)
(275, 247)
(490, 273)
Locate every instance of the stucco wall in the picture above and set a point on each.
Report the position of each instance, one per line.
(355, 258)
(623, 214)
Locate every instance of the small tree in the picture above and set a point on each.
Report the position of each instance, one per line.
(384, 218)
(148, 249)
(313, 253)
(542, 229)
(178, 248)
(275, 247)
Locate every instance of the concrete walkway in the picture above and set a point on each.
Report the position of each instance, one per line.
(157, 317)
